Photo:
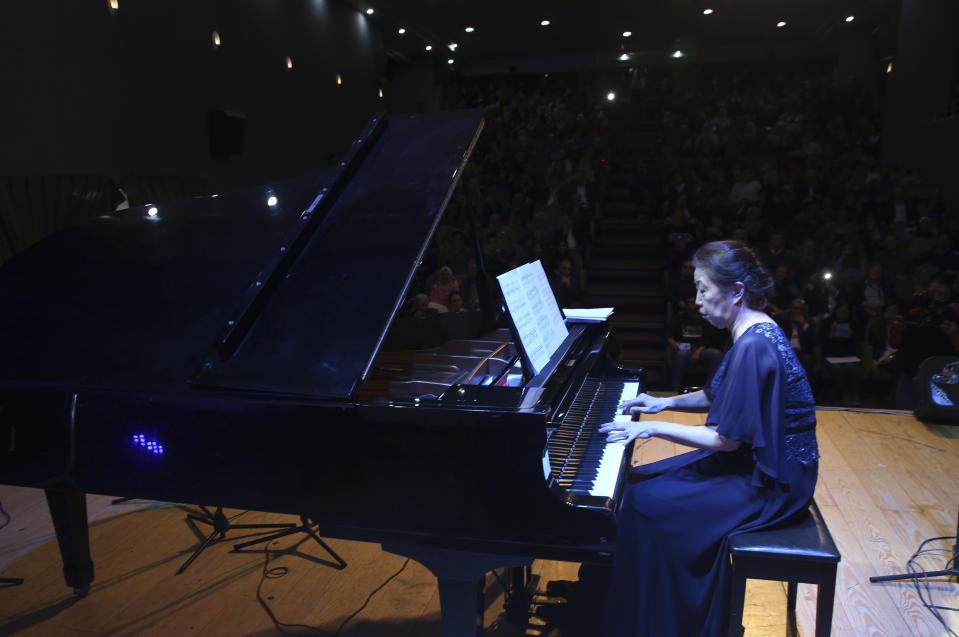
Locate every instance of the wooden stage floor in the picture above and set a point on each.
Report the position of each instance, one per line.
(887, 482)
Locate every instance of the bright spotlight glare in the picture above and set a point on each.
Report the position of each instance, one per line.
(611, 96)
(626, 34)
(369, 12)
(850, 18)
(780, 24)
(678, 54)
(271, 201)
(707, 11)
(623, 57)
(544, 23)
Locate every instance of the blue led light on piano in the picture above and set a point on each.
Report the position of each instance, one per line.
(153, 446)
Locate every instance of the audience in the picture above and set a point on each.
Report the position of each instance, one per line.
(862, 253)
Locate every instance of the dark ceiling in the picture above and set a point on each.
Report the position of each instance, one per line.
(511, 28)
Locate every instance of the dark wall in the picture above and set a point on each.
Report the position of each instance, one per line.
(88, 92)
(916, 133)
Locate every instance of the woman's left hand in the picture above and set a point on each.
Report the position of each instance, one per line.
(627, 431)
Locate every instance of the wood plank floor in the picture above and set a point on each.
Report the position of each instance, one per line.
(887, 482)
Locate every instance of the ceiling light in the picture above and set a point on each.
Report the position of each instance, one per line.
(780, 24)
(152, 211)
(381, 93)
(113, 5)
(271, 201)
(216, 40)
(889, 68)
(677, 54)
(339, 79)
(429, 47)
(707, 11)
(401, 31)
(369, 12)
(850, 18)
(449, 61)
(626, 34)
(452, 46)
(544, 23)
(611, 96)
(469, 29)
(624, 57)
(289, 63)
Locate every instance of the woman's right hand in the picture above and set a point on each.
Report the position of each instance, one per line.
(644, 404)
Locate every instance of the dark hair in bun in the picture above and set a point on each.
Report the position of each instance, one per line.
(729, 262)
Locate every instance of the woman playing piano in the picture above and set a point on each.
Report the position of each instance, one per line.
(756, 463)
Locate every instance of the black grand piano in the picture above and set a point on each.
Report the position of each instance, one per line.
(246, 350)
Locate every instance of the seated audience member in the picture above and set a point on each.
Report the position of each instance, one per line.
(802, 336)
(784, 290)
(695, 345)
(565, 286)
(840, 339)
(872, 293)
(445, 283)
(421, 307)
(456, 303)
(681, 288)
(777, 254)
(879, 359)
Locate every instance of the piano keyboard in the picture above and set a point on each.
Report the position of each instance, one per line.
(577, 454)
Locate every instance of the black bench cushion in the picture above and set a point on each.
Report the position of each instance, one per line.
(806, 540)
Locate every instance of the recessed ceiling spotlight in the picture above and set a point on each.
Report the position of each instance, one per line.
(113, 6)
(889, 67)
(429, 47)
(289, 63)
(626, 34)
(449, 61)
(381, 93)
(677, 54)
(216, 40)
(544, 23)
(369, 11)
(452, 46)
(623, 57)
(611, 96)
(707, 11)
(850, 18)
(469, 29)
(781, 24)
(401, 30)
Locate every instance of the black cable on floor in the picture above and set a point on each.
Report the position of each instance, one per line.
(279, 571)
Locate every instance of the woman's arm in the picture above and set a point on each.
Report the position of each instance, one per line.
(693, 436)
(646, 404)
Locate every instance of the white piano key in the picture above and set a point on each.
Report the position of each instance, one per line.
(607, 474)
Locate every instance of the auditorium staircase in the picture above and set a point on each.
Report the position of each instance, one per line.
(626, 268)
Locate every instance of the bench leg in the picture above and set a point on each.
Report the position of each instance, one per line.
(824, 603)
(737, 600)
(792, 592)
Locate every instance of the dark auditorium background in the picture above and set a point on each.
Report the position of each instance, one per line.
(233, 93)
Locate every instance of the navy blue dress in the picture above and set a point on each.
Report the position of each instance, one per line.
(670, 576)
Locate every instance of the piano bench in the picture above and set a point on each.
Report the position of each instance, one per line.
(799, 553)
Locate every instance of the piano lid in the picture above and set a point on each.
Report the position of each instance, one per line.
(206, 290)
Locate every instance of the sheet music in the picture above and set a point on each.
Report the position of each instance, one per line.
(535, 314)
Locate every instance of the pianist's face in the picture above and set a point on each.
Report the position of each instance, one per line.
(716, 305)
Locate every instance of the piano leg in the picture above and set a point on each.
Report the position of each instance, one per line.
(68, 510)
(458, 575)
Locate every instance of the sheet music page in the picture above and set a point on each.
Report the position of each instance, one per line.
(535, 314)
(551, 319)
